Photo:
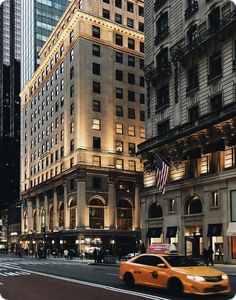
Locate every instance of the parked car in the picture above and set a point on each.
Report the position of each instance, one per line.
(131, 255)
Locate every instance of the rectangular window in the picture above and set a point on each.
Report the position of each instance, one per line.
(118, 18)
(163, 129)
(119, 57)
(72, 146)
(130, 23)
(192, 79)
(131, 148)
(131, 130)
(214, 199)
(96, 161)
(97, 183)
(131, 61)
(193, 114)
(96, 69)
(119, 146)
(72, 53)
(106, 14)
(131, 78)
(96, 31)
(119, 75)
(96, 50)
(215, 65)
(142, 115)
(72, 73)
(163, 97)
(171, 205)
(131, 96)
(119, 164)
(72, 109)
(119, 39)
(131, 113)
(96, 124)
(96, 106)
(141, 11)
(96, 87)
(119, 111)
(141, 99)
(141, 47)
(216, 104)
(141, 26)
(119, 128)
(72, 91)
(131, 43)
(141, 81)
(119, 93)
(132, 166)
(96, 142)
(130, 7)
(142, 133)
(118, 3)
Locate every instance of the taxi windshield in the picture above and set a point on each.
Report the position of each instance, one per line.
(182, 261)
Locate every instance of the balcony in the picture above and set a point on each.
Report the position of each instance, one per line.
(178, 52)
(151, 73)
(190, 11)
(158, 4)
(161, 35)
(192, 87)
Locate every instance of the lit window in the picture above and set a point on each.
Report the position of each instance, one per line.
(96, 124)
(142, 133)
(119, 164)
(119, 146)
(119, 128)
(96, 161)
(131, 130)
(72, 127)
(132, 166)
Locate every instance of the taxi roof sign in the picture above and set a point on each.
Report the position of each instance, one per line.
(162, 248)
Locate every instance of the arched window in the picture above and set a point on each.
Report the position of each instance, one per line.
(72, 214)
(193, 206)
(34, 220)
(96, 213)
(51, 218)
(124, 215)
(155, 211)
(61, 214)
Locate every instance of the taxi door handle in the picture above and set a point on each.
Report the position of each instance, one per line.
(137, 272)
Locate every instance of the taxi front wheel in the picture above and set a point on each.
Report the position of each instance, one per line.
(175, 286)
(129, 280)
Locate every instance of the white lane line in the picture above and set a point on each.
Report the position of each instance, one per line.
(96, 285)
(112, 274)
(1, 298)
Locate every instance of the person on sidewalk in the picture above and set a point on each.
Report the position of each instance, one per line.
(143, 248)
(95, 255)
(210, 256)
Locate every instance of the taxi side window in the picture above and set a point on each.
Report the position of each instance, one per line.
(148, 260)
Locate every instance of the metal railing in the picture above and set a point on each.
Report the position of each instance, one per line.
(191, 9)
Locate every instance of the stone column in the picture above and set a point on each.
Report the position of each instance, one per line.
(81, 198)
(29, 214)
(38, 215)
(66, 225)
(55, 212)
(112, 200)
(137, 207)
(46, 212)
(22, 218)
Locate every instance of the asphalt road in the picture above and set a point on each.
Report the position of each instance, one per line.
(50, 279)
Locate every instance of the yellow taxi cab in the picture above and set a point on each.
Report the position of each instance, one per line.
(177, 273)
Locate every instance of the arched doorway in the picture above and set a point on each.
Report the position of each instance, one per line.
(96, 213)
(124, 215)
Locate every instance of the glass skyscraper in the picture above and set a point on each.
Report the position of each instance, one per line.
(38, 18)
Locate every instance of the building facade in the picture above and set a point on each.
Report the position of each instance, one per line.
(190, 122)
(9, 104)
(82, 118)
(38, 19)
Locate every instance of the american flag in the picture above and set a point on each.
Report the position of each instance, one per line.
(162, 171)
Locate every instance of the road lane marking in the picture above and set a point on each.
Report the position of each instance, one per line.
(112, 274)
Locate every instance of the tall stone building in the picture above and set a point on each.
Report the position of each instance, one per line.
(38, 19)
(82, 118)
(190, 51)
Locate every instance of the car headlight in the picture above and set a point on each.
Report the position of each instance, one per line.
(224, 277)
(196, 278)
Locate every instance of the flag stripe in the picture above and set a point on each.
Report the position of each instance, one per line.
(162, 171)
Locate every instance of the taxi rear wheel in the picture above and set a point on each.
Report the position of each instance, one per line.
(129, 280)
(175, 287)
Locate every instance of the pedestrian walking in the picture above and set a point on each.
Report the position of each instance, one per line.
(143, 248)
(210, 256)
(95, 255)
(204, 254)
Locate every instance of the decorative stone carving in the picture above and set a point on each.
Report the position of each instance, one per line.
(81, 175)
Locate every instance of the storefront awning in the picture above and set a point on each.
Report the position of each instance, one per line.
(171, 231)
(154, 232)
(231, 230)
(214, 230)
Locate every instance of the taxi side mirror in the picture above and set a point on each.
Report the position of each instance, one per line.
(163, 266)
